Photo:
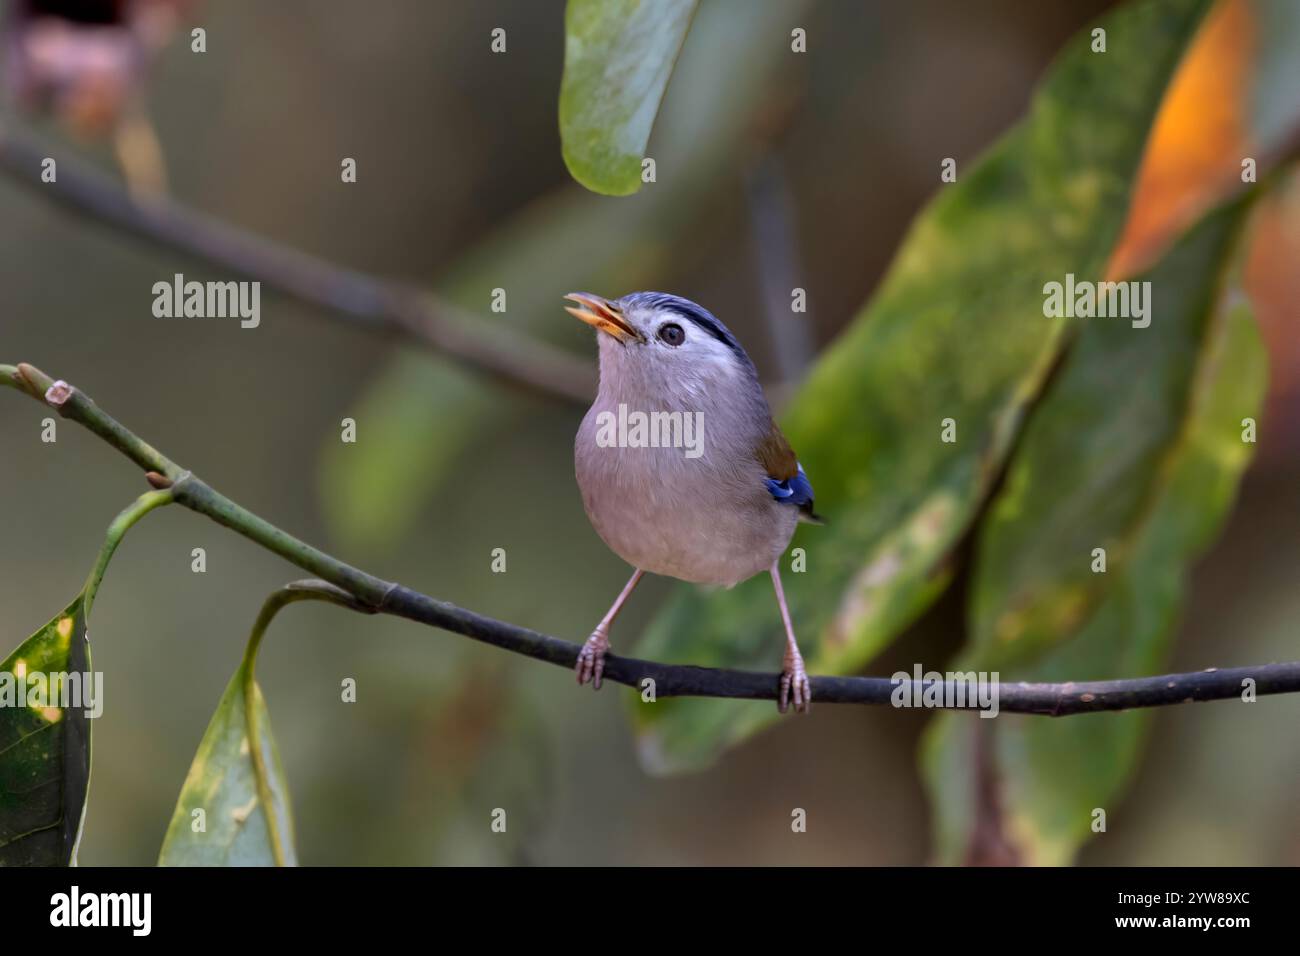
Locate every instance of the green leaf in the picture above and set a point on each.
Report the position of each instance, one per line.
(44, 751)
(957, 332)
(224, 783)
(1152, 452)
(618, 55)
(1095, 458)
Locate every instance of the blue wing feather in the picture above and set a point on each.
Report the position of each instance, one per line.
(797, 491)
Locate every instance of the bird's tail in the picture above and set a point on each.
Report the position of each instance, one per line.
(808, 516)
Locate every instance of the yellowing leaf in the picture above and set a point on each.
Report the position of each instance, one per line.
(44, 749)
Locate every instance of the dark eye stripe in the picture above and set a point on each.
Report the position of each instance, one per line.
(710, 325)
(698, 316)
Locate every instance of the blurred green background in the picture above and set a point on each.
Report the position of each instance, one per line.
(461, 187)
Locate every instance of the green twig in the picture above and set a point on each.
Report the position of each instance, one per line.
(123, 523)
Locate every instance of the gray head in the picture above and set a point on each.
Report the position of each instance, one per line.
(657, 346)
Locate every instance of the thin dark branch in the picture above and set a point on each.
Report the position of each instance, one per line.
(670, 680)
(677, 680)
(359, 299)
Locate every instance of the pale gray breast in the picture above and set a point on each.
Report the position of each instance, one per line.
(708, 519)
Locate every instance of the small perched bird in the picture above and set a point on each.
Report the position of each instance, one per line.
(682, 470)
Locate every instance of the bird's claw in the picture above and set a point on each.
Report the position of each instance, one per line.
(794, 683)
(591, 659)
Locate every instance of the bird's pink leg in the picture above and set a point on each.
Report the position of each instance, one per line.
(591, 659)
(794, 679)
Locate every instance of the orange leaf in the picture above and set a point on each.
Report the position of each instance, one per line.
(1198, 141)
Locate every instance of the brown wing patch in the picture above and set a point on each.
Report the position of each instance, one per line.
(776, 455)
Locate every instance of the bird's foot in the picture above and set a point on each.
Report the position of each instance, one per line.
(591, 659)
(794, 683)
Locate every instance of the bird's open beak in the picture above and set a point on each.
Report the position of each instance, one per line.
(603, 315)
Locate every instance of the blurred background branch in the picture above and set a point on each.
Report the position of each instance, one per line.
(350, 296)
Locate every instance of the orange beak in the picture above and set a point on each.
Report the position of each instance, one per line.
(603, 315)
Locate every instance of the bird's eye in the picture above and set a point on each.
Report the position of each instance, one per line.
(672, 334)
